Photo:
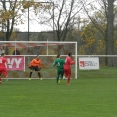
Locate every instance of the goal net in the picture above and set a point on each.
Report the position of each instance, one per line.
(47, 50)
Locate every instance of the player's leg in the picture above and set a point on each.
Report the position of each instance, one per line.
(59, 79)
(6, 74)
(0, 78)
(1, 71)
(39, 75)
(31, 71)
(64, 77)
(65, 72)
(68, 77)
(38, 72)
(62, 74)
(57, 76)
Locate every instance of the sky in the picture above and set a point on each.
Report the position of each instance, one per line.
(35, 24)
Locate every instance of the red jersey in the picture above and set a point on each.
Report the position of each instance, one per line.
(68, 62)
(2, 62)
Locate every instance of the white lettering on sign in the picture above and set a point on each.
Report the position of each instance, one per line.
(90, 63)
(13, 61)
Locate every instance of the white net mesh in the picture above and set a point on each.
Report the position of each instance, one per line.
(47, 51)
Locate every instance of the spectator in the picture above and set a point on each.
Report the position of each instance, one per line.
(2, 51)
(16, 52)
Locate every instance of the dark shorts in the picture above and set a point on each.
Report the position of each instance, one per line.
(35, 68)
(60, 73)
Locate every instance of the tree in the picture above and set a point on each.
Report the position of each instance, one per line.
(110, 32)
(65, 16)
(107, 9)
(11, 12)
(92, 40)
(9, 16)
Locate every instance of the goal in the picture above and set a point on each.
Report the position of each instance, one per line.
(47, 50)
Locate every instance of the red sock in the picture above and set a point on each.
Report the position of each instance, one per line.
(0, 81)
(68, 80)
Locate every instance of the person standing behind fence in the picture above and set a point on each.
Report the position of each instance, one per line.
(2, 50)
(16, 52)
(35, 65)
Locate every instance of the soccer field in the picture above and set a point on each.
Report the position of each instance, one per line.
(87, 97)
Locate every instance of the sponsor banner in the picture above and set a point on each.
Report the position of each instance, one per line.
(88, 63)
(18, 62)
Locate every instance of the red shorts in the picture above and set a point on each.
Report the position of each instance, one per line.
(3, 71)
(67, 71)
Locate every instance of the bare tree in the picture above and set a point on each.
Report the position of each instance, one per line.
(65, 15)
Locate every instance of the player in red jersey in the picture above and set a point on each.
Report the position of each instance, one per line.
(3, 70)
(67, 69)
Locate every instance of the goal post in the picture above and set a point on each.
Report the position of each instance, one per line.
(47, 50)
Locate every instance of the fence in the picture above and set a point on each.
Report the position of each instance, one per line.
(106, 70)
(48, 71)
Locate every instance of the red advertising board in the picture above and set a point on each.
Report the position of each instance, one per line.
(18, 62)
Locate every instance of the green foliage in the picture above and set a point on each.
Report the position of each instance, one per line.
(92, 41)
(11, 13)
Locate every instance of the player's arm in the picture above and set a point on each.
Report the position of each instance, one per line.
(71, 61)
(33, 62)
(7, 62)
(30, 64)
(54, 64)
(40, 64)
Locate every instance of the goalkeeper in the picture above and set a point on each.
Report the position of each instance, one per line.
(35, 65)
(59, 62)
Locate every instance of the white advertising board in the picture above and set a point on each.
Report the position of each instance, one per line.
(88, 63)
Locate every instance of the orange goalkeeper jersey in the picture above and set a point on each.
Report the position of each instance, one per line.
(35, 63)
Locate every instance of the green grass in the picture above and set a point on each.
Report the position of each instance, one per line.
(84, 97)
(103, 72)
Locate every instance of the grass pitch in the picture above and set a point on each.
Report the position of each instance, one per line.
(84, 97)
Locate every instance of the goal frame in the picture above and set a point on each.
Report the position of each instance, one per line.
(48, 42)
